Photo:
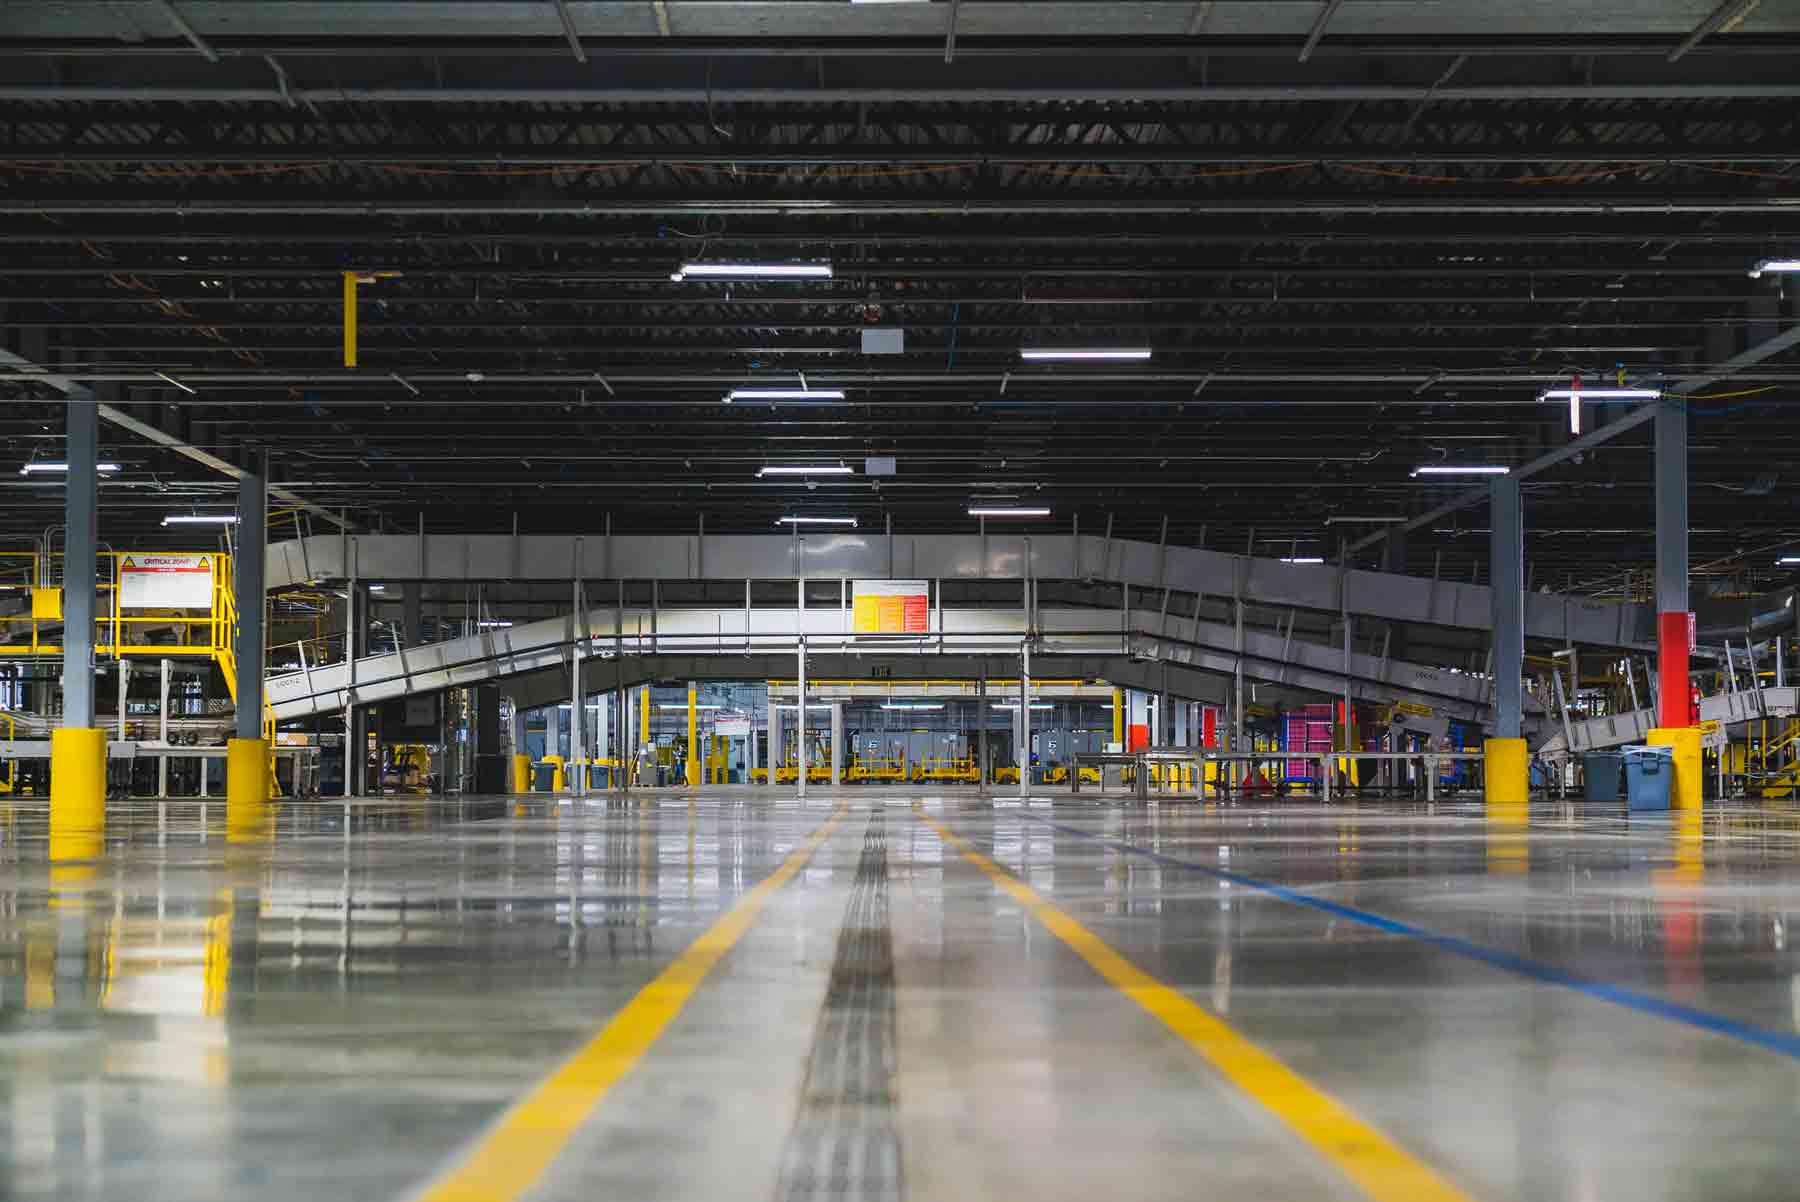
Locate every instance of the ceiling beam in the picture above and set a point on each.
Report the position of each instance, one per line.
(80, 394)
(1069, 93)
(1327, 10)
(568, 25)
(188, 31)
(1749, 358)
(1722, 18)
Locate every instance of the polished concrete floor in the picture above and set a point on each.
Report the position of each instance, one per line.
(353, 1002)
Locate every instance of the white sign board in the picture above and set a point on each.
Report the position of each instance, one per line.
(732, 728)
(166, 582)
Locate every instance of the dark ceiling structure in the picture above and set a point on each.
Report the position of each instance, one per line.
(1356, 236)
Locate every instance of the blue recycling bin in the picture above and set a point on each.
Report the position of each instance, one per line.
(1649, 772)
(1600, 773)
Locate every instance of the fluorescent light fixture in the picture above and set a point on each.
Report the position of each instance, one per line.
(1461, 469)
(1788, 560)
(1600, 394)
(166, 378)
(682, 705)
(44, 465)
(811, 705)
(200, 519)
(1302, 559)
(1351, 521)
(1008, 511)
(784, 394)
(1051, 354)
(378, 588)
(493, 624)
(1013, 705)
(808, 469)
(799, 519)
(910, 705)
(753, 271)
(1775, 265)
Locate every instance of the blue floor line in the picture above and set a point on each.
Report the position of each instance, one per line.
(1643, 1003)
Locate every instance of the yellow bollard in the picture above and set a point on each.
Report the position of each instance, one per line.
(1688, 788)
(77, 793)
(246, 789)
(1507, 778)
(521, 774)
(558, 779)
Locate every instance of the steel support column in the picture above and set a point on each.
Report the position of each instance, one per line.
(837, 743)
(249, 594)
(1025, 719)
(800, 706)
(577, 705)
(80, 563)
(693, 734)
(1506, 572)
(77, 748)
(1675, 708)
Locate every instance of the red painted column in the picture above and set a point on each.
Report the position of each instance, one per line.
(1674, 702)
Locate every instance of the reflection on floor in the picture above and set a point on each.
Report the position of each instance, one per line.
(1386, 1001)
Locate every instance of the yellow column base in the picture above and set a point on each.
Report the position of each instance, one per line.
(558, 780)
(1507, 775)
(77, 793)
(1688, 788)
(246, 788)
(521, 774)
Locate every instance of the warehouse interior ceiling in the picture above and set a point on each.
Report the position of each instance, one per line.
(1354, 236)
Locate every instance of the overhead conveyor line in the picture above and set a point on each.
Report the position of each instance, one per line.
(1048, 558)
(692, 636)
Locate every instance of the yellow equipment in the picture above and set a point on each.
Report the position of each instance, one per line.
(953, 770)
(1089, 776)
(877, 768)
(1008, 775)
(759, 776)
(409, 768)
(1056, 774)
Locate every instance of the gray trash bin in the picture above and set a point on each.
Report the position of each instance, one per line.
(543, 778)
(1649, 772)
(1600, 773)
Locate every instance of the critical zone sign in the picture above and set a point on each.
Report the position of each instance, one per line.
(166, 582)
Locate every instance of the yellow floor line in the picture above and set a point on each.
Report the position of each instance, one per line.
(1380, 1167)
(511, 1157)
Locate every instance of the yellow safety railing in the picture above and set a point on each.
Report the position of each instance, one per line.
(211, 634)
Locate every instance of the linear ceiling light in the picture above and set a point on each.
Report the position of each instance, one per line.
(1774, 265)
(1788, 560)
(45, 465)
(680, 705)
(1461, 469)
(1600, 394)
(807, 469)
(1348, 521)
(1008, 511)
(200, 519)
(1302, 559)
(784, 394)
(911, 705)
(1013, 705)
(1062, 354)
(753, 271)
(798, 519)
